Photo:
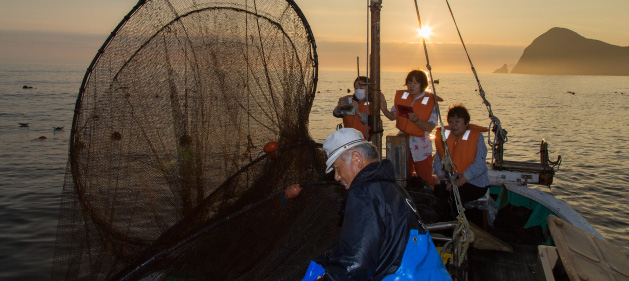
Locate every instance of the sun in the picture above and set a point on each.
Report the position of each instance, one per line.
(424, 32)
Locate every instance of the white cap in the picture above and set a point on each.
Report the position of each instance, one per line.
(340, 141)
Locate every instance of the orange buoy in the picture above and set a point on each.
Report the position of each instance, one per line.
(292, 191)
(271, 150)
(270, 147)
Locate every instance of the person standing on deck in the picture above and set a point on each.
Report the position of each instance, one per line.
(415, 115)
(353, 108)
(468, 151)
(380, 223)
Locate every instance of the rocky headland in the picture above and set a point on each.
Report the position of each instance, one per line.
(561, 51)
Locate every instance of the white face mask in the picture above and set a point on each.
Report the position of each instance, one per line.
(360, 94)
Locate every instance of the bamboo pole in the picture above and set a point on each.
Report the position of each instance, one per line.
(374, 97)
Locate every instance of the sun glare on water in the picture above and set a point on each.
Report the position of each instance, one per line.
(424, 32)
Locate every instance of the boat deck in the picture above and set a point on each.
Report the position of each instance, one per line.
(521, 265)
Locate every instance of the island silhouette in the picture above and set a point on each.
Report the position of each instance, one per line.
(561, 51)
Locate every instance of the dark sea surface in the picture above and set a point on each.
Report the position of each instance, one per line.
(589, 129)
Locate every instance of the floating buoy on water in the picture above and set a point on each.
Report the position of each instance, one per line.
(271, 150)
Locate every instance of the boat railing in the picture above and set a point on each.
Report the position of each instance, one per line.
(545, 169)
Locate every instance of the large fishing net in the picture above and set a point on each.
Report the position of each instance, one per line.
(167, 178)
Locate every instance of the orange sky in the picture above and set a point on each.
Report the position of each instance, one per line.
(495, 31)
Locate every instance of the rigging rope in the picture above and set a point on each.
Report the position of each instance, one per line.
(500, 133)
(462, 235)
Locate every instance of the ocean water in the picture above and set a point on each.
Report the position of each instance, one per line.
(589, 130)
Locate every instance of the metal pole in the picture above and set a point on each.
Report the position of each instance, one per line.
(374, 97)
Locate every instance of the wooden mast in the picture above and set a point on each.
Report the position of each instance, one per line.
(374, 69)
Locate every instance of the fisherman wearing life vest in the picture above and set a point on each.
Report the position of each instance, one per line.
(382, 237)
(353, 108)
(468, 152)
(415, 114)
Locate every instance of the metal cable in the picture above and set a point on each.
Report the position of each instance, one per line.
(462, 235)
(500, 133)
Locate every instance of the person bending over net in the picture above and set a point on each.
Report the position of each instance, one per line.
(380, 223)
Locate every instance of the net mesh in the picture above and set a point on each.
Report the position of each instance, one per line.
(166, 178)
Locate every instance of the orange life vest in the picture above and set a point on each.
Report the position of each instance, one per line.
(353, 121)
(422, 107)
(462, 148)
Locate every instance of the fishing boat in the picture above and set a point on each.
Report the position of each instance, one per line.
(191, 121)
(523, 233)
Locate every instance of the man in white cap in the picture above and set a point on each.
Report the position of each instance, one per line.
(378, 217)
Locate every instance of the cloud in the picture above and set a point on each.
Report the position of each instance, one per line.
(396, 56)
(72, 48)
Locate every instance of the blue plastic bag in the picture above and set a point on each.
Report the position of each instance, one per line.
(421, 261)
(314, 271)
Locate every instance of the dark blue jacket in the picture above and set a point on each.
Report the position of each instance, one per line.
(375, 227)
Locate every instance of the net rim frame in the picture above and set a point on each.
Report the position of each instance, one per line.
(86, 79)
(74, 139)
